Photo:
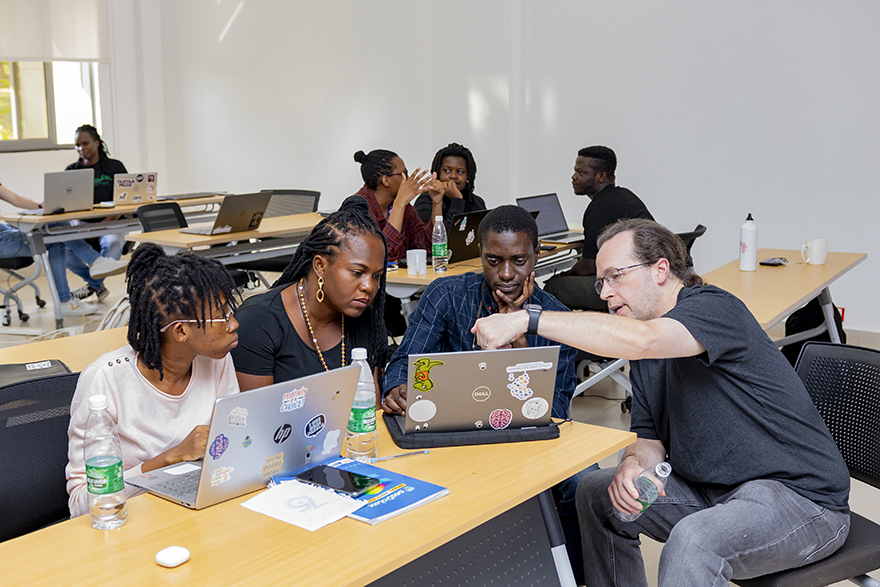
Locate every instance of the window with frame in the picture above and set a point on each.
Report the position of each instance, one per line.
(42, 103)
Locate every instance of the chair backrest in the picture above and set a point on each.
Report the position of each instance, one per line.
(844, 382)
(34, 416)
(688, 239)
(286, 202)
(161, 216)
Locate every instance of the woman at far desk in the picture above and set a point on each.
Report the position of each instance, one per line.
(329, 300)
(161, 387)
(454, 172)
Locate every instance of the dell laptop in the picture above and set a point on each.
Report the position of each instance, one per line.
(66, 191)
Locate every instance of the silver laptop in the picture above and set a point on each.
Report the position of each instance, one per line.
(480, 390)
(552, 226)
(66, 191)
(238, 213)
(134, 188)
(280, 429)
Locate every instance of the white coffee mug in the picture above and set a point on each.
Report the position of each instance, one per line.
(815, 251)
(416, 262)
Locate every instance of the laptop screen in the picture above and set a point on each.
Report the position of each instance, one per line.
(550, 218)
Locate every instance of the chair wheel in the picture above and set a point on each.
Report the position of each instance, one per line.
(41, 302)
(6, 320)
(23, 317)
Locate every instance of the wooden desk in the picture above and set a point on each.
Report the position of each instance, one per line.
(77, 352)
(772, 293)
(232, 545)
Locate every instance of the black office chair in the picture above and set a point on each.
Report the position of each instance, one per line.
(168, 215)
(34, 416)
(688, 239)
(844, 383)
(10, 266)
(283, 203)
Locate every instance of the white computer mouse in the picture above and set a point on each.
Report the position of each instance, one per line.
(173, 556)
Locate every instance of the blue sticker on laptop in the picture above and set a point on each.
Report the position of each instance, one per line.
(315, 425)
(218, 447)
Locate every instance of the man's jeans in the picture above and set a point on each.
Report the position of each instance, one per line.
(13, 243)
(80, 255)
(711, 535)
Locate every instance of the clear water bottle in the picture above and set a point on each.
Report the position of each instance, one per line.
(650, 483)
(439, 252)
(361, 438)
(103, 457)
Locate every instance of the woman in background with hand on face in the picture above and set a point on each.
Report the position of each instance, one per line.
(453, 174)
(161, 387)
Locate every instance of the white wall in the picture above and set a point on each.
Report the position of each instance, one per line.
(714, 109)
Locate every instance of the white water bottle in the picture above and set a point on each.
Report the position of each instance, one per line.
(439, 252)
(748, 245)
(650, 483)
(361, 438)
(103, 456)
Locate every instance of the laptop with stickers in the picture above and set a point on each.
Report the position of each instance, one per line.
(280, 429)
(134, 188)
(237, 214)
(464, 236)
(480, 390)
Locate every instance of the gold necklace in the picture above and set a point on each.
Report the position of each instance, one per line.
(302, 305)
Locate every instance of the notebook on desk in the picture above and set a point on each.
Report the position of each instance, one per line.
(135, 188)
(66, 191)
(552, 226)
(480, 390)
(237, 213)
(280, 429)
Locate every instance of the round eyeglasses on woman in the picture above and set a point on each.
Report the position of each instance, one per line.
(227, 316)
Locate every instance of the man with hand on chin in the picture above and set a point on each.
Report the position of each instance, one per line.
(449, 307)
(757, 485)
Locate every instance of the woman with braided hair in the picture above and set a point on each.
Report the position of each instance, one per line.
(329, 300)
(161, 387)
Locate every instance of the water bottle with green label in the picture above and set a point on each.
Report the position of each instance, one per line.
(361, 438)
(103, 457)
(650, 483)
(439, 251)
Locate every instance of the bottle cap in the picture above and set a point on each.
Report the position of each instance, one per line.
(98, 402)
(749, 218)
(663, 469)
(438, 219)
(359, 354)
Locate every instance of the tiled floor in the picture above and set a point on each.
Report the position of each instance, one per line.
(593, 409)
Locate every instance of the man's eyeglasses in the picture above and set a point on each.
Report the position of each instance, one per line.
(226, 318)
(612, 276)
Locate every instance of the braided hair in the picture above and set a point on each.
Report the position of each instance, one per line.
(457, 150)
(352, 218)
(103, 151)
(374, 165)
(163, 288)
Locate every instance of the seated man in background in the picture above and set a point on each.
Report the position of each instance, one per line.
(594, 177)
(450, 306)
(757, 485)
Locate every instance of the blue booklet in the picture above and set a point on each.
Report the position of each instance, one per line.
(394, 495)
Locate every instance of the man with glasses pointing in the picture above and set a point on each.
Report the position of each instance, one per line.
(758, 484)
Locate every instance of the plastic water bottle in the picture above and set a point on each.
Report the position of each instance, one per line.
(439, 252)
(103, 457)
(361, 438)
(650, 483)
(748, 245)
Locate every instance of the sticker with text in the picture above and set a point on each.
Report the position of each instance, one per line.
(422, 376)
(218, 447)
(272, 465)
(314, 426)
(482, 393)
(237, 417)
(294, 400)
(500, 419)
(221, 475)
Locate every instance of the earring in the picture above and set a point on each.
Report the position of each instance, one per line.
(319, 295)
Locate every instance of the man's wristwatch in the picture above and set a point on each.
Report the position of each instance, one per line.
(534, 311)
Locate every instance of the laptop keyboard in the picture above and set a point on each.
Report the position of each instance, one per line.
(183, 486)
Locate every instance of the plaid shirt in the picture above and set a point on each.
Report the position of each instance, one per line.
(443, 320)
(415, 235)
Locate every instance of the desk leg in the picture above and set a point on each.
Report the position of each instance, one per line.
(828, 312)
(41, 255)
(557, 540)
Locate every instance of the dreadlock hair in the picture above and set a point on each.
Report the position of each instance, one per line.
(604, 159)
(103, 151)
(652, 242)
(374, 165)
(510, 218)
(352, 218)
(457, 150)
(163, 288)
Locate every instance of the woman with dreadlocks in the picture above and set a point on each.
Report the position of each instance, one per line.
(329, 300)
(453, 173)
(161, 387)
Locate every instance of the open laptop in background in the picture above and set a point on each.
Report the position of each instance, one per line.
(280, 429)
(238, 213)
(464, 236)
(134, 188)
(66, 191)
(552, 226)
(480, 390)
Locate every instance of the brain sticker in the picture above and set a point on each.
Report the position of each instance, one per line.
(422, 410)
(500, 419)
(535, 408)
(519, 386)
(218, 447)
